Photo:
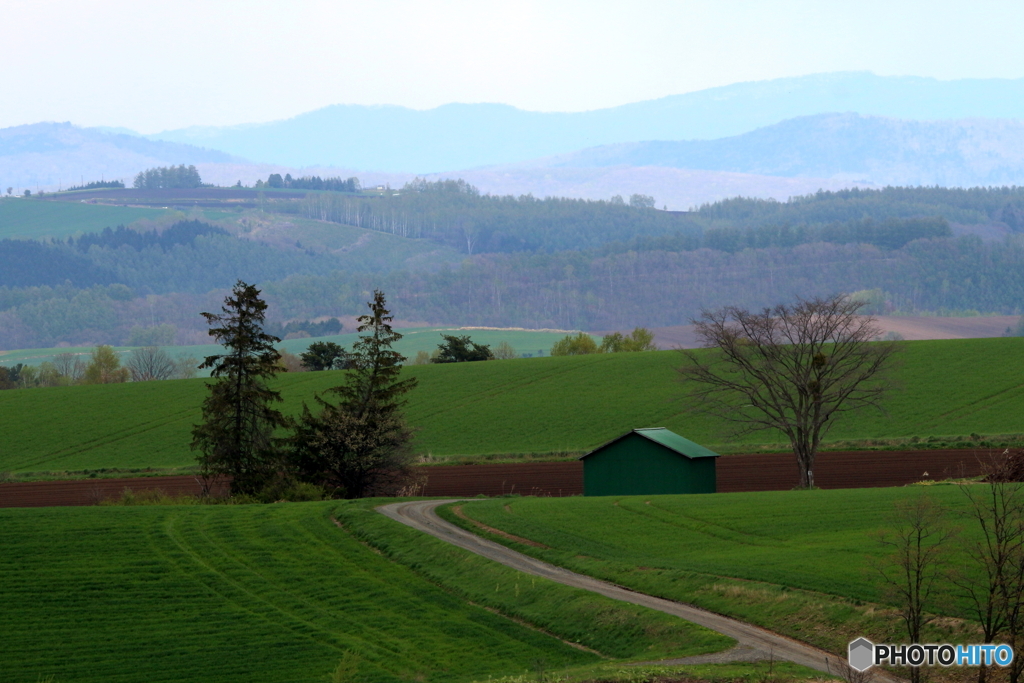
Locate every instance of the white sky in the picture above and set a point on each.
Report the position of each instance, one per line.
(152, 65)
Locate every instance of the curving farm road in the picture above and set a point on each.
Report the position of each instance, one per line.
(421, 515)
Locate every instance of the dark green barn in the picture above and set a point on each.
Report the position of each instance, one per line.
(647, 462)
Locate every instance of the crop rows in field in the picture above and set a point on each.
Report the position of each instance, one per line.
(285, 593)
(953, 387)
(813, 540)
(241, 593)
(803, 563)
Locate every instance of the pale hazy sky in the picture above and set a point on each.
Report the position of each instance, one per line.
(151, 65)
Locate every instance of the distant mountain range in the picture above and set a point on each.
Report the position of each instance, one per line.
(767, 139)
(838, 146)
(460, 136)
(51, 155)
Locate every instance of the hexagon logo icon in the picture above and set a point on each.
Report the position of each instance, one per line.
(861, 654)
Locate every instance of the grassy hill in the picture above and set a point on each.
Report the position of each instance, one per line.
(33, 219)
(286, 593)
(951, 389)
(803, 563)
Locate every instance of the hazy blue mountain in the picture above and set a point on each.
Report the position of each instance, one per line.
(459, 136)
(839, 146)
(51, 154)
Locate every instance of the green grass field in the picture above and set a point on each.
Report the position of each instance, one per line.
(357, 248)
(281, 593)
(22, 218)
(799, 562)
(951, 389)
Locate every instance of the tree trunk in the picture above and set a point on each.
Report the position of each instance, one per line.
(805, 462)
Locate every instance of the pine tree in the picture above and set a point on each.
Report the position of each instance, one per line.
(360, 445)
(236, 436)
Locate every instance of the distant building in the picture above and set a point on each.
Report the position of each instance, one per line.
(649, 462)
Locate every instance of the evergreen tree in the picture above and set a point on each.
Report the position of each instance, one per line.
(360, 445)
(236, 436)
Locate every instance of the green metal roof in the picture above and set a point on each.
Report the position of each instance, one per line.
(668, 439)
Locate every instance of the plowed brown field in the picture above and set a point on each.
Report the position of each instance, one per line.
(911, 328)
(762, 472)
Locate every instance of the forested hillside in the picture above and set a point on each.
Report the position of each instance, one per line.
(883, 151)
(457, 214)
(526, 262)
(578, 290)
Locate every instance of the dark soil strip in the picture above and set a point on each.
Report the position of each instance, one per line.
(760, 472)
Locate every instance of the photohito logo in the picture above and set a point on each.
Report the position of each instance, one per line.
(863, 654)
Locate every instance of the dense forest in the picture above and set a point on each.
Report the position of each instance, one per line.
(529, 262)
(189, 256)
(456, 214)
(576, 290)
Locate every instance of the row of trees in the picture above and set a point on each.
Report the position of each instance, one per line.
(581, 343)
(335, 184)
(102, 366)
(355, 443)
(98, 185)
(168, 178)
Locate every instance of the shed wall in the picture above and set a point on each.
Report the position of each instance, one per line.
(637, 466)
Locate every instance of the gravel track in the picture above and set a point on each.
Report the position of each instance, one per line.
(421, 515)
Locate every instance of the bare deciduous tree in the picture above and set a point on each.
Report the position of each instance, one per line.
(69, 365)
(186, 368)
(505, 351)
(790, 368)
(993, 582)
(916, 540)
(150, 363)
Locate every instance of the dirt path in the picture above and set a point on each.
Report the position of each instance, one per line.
(421, 515)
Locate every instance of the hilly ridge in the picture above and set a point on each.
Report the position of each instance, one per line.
(460, 136)
(839, 146)
(50, 154)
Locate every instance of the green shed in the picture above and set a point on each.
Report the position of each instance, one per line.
(648, 462)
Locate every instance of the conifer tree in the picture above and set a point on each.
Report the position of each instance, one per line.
(359, 446)
(236, 436)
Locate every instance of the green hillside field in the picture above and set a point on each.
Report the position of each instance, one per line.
(804, 563)
(356, 248)
(22, 218)
(287, 593)
(951, 389)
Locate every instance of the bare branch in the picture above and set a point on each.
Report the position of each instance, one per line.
(793, 369)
